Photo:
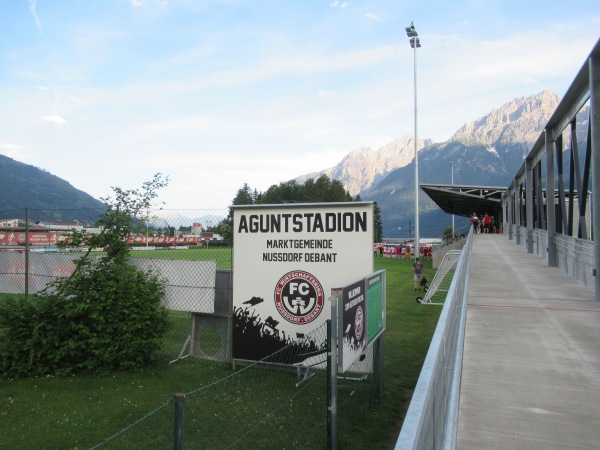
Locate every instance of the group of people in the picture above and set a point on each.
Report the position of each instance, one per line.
(483, 224)
(403, 251)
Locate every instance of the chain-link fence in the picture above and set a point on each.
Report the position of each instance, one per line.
(176, 244)
(273, 403)
(267, 404)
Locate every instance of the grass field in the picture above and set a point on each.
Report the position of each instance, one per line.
(81, 411)
(223, 255)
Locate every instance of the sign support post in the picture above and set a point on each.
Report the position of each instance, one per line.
(332, 371)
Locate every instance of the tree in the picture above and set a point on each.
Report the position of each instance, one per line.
(447, 236)
(285, 192)
(244, 196)
(106, 316)
(377, 224)
(323, 189)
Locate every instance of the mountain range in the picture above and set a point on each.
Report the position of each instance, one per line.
(26, 186)
(484, 152)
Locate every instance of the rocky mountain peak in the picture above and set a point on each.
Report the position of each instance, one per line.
(506, 132)
(517, 121)
(363, 167)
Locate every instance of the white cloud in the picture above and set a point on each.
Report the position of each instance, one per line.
(372, 18)
(338, 4)
(9, 148)
(324, 93)
(55, 119)
(307, 63)
(33, 11)
(13, 151)
(76, 99)
(162, 4)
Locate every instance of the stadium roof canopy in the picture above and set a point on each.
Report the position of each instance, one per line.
(463, 200)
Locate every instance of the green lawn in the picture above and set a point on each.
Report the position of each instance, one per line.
(223, 255)
(81, 411)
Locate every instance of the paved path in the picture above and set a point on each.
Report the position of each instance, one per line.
(531, 368)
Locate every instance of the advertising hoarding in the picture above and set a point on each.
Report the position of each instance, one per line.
(376, 305)
(353, 326)
(287, 258)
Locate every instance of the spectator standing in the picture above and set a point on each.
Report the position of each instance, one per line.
(475, 222)
(486, 223)
(418, 270)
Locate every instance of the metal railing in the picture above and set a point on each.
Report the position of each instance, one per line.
(575, 257)
(432, 417)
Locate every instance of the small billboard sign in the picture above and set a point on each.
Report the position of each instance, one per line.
(286, 260)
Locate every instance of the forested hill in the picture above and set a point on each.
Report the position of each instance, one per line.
(25, 186)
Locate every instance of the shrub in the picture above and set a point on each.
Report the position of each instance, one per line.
(106, 316)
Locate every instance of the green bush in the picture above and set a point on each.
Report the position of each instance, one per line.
(106, 316)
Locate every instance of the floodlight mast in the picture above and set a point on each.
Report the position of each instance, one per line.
(415, 43)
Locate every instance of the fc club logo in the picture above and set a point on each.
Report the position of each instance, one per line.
(299, 297)
(359, 324)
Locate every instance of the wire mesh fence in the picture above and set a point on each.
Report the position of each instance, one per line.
(155, 430)
(270, 403)
(273, 403)
(172, 243)
(267, 404)
(576, 258)
(573, 255)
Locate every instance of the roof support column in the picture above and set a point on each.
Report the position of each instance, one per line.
(529, 196)
(510, 216)
(518, 206)
(594, 70)
(550, 206)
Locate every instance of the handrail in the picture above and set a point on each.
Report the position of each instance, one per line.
(432, 417)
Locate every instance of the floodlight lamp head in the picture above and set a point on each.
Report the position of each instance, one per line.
(415, 42)
(410, 31)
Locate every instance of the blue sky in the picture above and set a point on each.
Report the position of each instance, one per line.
(216, 93)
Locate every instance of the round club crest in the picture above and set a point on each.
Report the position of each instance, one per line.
(359, 324)
(299, 297)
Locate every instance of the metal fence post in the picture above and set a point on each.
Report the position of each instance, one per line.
(332, 373)
(179, 400)
(330, 411)
(380, 364)
(26, 253)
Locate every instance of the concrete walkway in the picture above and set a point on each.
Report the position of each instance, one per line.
(531, 368)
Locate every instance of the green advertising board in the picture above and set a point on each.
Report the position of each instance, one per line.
(375, 305)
